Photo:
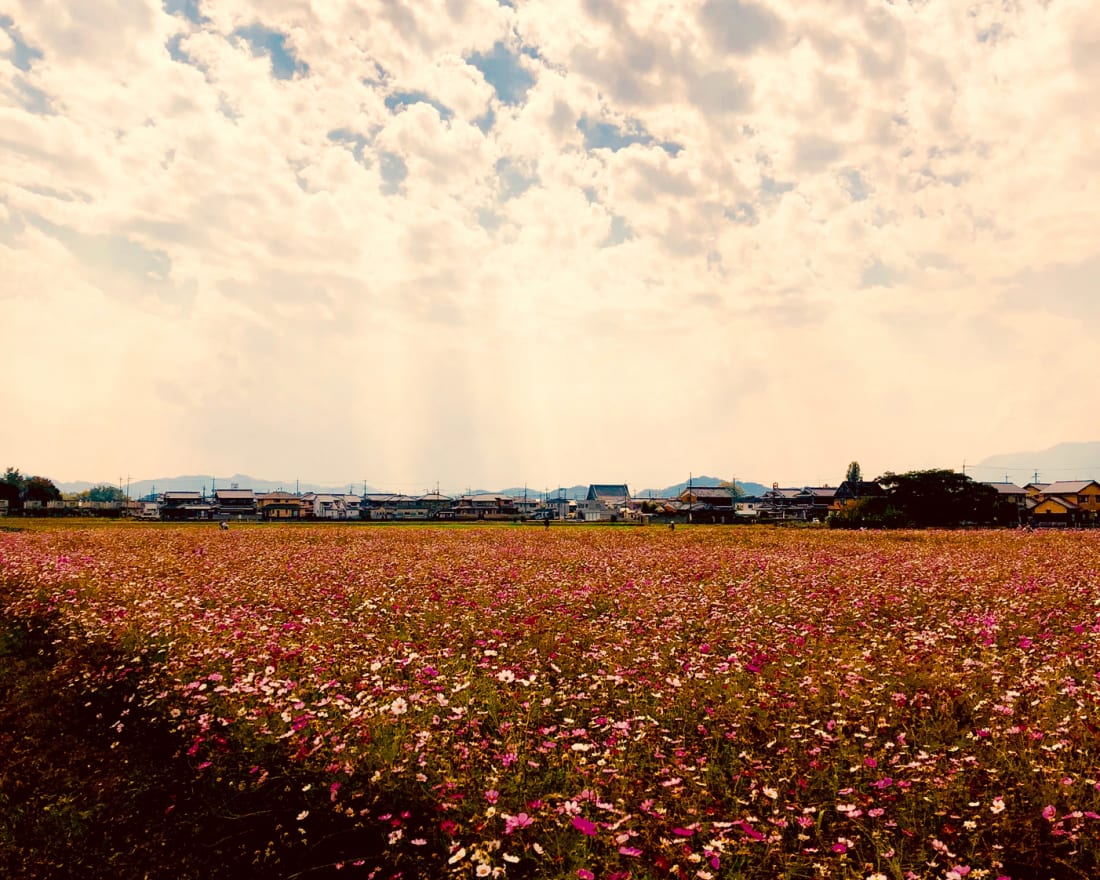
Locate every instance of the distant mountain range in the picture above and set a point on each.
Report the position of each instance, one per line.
(1066, 461)
(207, 483)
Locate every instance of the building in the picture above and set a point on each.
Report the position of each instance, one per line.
(185, 506)
(235, 503)
(605, 502)
(282, 506)
(1066, 502)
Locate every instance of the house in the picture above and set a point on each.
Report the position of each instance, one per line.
(352, 506)
(561, 507)
(713, 504)
(748, 506)
(779, 503)
(483, 506)
(437, 506)
(185, 506)
(235, 503)
(324, 506)
(605, 502)
(814, 502)
(1076, 502)
(1011, 506)
(282, 505)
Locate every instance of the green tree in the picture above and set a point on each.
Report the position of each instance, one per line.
(939, 498)
(39, 489)
(855, 474)
(12, 477)
(10, 493)
(104, 492)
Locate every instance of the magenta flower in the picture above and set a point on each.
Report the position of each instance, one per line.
(584, 826)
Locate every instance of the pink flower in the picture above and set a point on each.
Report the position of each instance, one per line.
(491, 795)
(512, 823)
(631, 851)
(584, 826)
(683, 832)
(1049, 812)
(585, 874)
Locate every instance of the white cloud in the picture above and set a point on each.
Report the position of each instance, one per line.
(721, 214)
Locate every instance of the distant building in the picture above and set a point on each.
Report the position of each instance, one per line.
(235, 503)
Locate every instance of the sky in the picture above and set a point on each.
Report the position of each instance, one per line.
(547, 242)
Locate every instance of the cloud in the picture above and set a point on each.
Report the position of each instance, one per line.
(480, 222)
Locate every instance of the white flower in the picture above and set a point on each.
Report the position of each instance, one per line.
(457, 857)
(506, 676)
(399, 706)
(998, 805)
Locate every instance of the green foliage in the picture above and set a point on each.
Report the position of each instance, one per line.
(855, 473)
(940, 498)
(40, 489)
(875, 512)
(103, 492)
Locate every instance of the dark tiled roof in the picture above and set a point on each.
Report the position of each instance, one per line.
(599, 491)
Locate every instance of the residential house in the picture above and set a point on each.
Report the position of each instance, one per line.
(484, 506)
(813, 503)
(235, 503)
(352, 506)
(780, 503)
(282, 506)
(185, 506)
(1011, 507)
(1071, 502)
(325, 506)
(748, 506)
(605, 501)
(708, 504)
(436, 506)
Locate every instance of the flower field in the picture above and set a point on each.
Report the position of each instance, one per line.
(606, 702)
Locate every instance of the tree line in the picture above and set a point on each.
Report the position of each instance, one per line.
(21, 490)
(926, 499)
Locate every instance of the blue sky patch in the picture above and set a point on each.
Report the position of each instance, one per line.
(21, 55)
(502, 70)
(743, 214)
(619, 232)
(878, 274)
(514, 179)
(264, 41)
(175, 50)
(109, 252)
(406, 99)
(189, 9)
(854, 184)
(486, 120)
(32, 98)
(393, 170)
(352, 139)
(605, 136)
(770, 188)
